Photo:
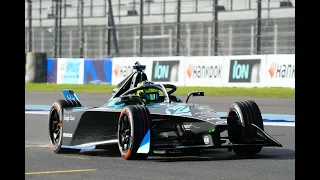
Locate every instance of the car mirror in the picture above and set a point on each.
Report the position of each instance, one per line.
(195, 93)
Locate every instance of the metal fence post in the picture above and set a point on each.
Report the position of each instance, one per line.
(114, 34)
(252, 40)
(164, 11)
(101, 44)
(178, 27)
(162, 42)
(230, 40)
(86, 44)
(60, 28)
(91, 8)
(141, 27)
(26, 40)
(56, 29)
(215, 22)
(170, 42)
(258, 37)
(30, 26)
(105, 7)
(109, 33)
(70, 43)
(65, 8)
(40, 13)
(134, 41)
(275, 46)
(209, 41)
(119, 10)
(196, 6)
(42, 41)
(188, 39)
(33, 39)
(202, 36)
(81, 29)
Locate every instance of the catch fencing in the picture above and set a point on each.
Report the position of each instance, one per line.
(239, 30)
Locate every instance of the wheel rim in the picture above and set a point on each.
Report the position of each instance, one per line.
(124, 133)
(54, 127)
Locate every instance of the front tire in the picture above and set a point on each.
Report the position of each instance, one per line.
(134, 123)
(56, 127)
(243, 114)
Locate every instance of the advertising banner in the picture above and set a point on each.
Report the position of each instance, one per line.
(123, 67)
(97, 71)
(209, 71)
(246, 71)
(70, 71)
(51, 70)
(206, 71)
(280, 70)
(168, 70)
(165, 71)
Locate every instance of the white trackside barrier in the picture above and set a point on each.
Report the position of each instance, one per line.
(213, 71)
(204, 71)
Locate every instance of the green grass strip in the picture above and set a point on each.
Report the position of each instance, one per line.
(208, 91)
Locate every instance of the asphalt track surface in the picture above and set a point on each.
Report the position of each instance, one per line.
(272, 163)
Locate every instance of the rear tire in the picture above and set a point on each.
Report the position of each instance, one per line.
(244, 113)
(56, 127)
(134, 123)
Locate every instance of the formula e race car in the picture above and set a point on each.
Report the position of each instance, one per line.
(139, 129)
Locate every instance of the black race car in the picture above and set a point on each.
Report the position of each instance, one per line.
(138, 129)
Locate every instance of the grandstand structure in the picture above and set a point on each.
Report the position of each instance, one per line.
(237, 27)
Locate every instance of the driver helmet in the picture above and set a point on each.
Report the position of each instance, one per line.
(148, 95)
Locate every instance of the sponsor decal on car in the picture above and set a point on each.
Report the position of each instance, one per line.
(179, 110)
(68, 118)
(189, 126)
(67, 135)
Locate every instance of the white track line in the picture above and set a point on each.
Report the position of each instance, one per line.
(35, 145)
(37, 112)
(290, 124)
